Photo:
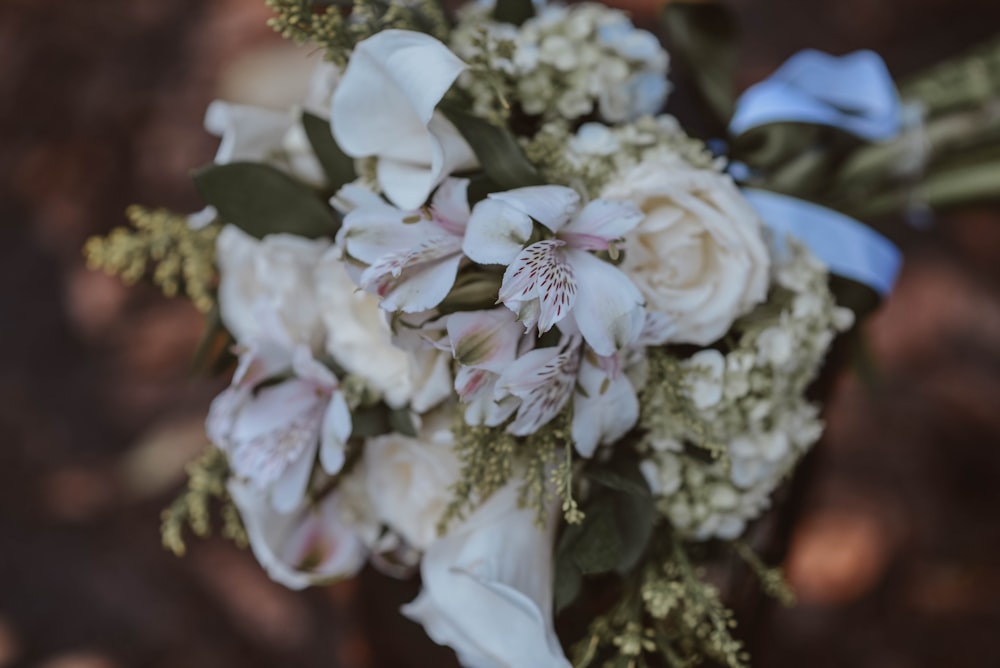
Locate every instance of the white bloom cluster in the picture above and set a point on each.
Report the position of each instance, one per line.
(747, 405)
(595, 154)
(567, 62)
(452, 347)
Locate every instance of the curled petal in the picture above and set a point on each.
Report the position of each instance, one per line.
(303, 547)
(389, 90)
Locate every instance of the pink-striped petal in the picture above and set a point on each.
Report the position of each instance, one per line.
(541, 271)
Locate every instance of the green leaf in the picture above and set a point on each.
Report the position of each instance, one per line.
(598, 547)
(370, 421)
(568, 581)
(620, 482)
(513, 11)
(262, 200)
(497, 150)
(338, 166)
(704, 36)
(401, 421)
(636, 516)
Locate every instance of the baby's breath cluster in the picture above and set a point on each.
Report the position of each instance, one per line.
(743, 410)
(566, 63)
(327, 25)
(595, 154)
(183, 257)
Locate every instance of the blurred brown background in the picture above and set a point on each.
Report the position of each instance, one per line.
(896, 557)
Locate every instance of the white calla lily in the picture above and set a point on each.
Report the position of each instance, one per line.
(488, 588)
(385, 105)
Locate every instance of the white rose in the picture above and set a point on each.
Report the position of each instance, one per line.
(409, 479)
(699, 256)
(278, 271)
(357, 335)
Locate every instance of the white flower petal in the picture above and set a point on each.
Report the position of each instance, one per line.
(450, 205)
(304, 547)
(337, 427)
(552, 206)
(608, 309)
(496, 233)
(607, 411)
(424, 289)
(289, 490)
(390, 88)
(600, 222)
(248, 133)
(484, 339)
(487, 588)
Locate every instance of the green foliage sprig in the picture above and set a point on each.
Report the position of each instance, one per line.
(206, 485)
(337, 27)
(490, 456)
(161, 241)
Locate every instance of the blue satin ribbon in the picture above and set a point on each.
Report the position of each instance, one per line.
(856, 94)
(848, 248)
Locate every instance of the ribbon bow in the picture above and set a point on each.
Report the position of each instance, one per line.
(856, 94)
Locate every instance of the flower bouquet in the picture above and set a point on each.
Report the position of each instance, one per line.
(493, 317)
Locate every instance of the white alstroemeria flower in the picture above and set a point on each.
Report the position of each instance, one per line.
(539, 383)
(484, 343)
(487, 588)
(385, 105)
(306, 546)
(272, 432)
(558, 278)
(412, 256)
(278, 270)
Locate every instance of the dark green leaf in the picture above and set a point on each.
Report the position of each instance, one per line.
(620, 482)
(496, 149)
(636, 516)
(370, 421)
(704, 36)
(568, 582)
(513, 11)
(338, 167)
(598, 547)
(262, 200)
(401, 421)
